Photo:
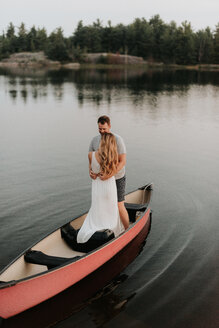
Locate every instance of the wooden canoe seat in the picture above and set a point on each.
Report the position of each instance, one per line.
(132, 208)
(137, 207)
(37, 257)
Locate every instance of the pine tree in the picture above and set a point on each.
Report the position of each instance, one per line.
(57, 49)
(216, 45)
(185, 50)
(22, 38)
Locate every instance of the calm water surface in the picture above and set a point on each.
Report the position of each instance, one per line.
(170, 124)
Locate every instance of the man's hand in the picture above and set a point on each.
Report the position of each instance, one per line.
(104, 177)
(93, 175)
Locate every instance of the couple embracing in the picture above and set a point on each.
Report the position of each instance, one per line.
(107, 159)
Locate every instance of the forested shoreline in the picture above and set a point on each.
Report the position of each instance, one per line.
(153, 40)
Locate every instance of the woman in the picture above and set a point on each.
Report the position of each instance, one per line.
(103, 213)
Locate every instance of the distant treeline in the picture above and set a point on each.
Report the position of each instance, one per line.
(153, 39)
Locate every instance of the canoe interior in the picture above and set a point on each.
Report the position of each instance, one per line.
(54, 245)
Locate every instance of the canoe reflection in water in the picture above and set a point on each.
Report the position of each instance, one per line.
(81, 293)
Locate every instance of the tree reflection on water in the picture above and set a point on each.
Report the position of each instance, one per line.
(101, 85)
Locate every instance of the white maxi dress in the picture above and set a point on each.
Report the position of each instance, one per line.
(103, 213)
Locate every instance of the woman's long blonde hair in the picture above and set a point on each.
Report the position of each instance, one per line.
(108, 154)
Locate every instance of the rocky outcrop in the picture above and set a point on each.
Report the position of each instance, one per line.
(71, 65)
(28, 59)
(108, 58)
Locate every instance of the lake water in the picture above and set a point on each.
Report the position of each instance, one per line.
(169, 121)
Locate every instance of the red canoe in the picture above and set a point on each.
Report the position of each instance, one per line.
(52, 266)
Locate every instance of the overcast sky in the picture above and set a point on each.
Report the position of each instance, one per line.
(67, 13)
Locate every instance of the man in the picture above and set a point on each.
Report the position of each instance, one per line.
(104, 126)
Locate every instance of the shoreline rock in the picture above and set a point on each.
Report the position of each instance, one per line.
(38, 60)
(33, 60)
(71, 66)
(112, 59)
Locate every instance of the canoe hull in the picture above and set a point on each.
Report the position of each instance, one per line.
(35, 290)
(79, 295)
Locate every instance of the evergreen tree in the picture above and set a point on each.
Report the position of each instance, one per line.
(95, 35)
(32, 40)
(57, 49)
(119, 42)
(4, 47)
(216, 45)
(10, 31)
(158, 28)
(22, 38)
(41, 39)
(185, 50)
(140, 38)
(168, 43)
(107, 38)
(11, 39)
(204, 45)
(80, 37)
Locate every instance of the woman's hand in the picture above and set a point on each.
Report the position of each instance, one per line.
(93, 175)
